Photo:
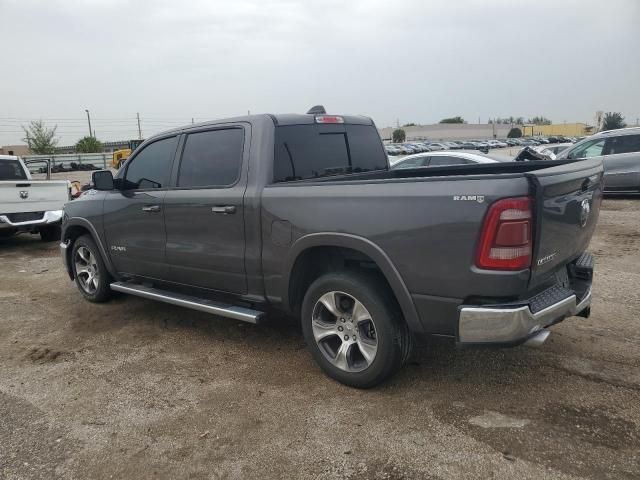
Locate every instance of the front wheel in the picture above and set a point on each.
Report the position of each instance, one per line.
(354, 328)
(89, 271)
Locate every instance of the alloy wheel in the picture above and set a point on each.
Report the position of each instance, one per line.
(344, 331)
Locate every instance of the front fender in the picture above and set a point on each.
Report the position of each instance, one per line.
(67, 233)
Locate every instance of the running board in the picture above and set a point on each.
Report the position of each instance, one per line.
(203, 305)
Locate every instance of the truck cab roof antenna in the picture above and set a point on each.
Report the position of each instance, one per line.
(317, 110)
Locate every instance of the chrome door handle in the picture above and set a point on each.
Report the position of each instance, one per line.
(224, 209)
(151, 208)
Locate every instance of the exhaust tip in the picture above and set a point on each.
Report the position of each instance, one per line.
(538, 339)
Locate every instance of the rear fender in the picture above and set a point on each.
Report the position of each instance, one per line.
(365, 247)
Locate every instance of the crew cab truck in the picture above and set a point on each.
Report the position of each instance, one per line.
(301, 213)
(27, 205)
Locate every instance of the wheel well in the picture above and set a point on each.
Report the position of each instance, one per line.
(316, 261)
(75, 231)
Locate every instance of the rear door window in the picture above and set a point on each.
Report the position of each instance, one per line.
(314, 151)
(623, 144)
(211, 158)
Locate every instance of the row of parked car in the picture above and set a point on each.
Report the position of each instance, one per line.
(409, 148)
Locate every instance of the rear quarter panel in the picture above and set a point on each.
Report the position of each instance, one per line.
(428, 235)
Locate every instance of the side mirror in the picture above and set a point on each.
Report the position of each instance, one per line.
(102, 180)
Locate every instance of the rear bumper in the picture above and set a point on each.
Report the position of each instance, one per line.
(504, 325)
(48, 218)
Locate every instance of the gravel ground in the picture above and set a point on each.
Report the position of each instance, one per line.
(137, 389)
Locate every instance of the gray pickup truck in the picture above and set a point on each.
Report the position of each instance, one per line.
(300, 213)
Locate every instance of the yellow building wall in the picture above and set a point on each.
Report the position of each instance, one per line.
(564, 129)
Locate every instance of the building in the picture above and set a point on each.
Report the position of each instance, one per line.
(481, 131)
(562, 129)
(19, 150)
(451, 131)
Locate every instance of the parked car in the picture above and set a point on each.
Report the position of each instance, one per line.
(392, 150)
(453, 145)
(300, 213)
(435, 146)
(440, 159)
(619, 151)
(27, 205)
(469, 145)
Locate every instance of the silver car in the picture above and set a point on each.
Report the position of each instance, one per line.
(440, 159)
(620, 154)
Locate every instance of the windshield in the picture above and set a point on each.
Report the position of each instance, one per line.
(12, 170)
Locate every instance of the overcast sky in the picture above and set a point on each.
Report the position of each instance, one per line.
(412, 61)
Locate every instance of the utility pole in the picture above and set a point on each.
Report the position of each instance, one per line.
(88, 120)
(139, 129)
(192, 122)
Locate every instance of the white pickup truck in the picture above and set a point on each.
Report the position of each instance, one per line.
(28, 205)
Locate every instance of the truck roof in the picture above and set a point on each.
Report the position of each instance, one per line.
(280, 119)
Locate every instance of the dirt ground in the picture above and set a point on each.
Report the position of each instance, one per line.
(137, 389)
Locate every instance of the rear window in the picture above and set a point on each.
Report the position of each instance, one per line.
(11, 170)
(314, 151)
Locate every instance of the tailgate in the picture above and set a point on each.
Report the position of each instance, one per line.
(567, 204)
(32, 196)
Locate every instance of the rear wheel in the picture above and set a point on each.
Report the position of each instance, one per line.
(50, 233)
(89, 271)
(354, 328)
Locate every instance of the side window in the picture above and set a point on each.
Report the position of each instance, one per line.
(588, 150)
(211, 158)
(151, 167)
(440, 161)
(413, 162)
(623, 144)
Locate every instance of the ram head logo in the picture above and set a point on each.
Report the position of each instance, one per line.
(24, 194)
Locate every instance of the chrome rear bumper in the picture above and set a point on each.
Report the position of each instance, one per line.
(51, 216)
(494, 324)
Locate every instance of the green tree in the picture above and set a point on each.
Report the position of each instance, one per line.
(457, 119)
(409, 125)
(539, 121)
(89, 145)
(514, 133)
(399, 135)
(613, 121)
(40, 139)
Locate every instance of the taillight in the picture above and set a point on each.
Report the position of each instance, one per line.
(505, 240)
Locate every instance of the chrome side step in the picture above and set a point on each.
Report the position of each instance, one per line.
(209, 306)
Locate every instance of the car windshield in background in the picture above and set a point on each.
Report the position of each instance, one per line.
(11, 170)
(314, 151)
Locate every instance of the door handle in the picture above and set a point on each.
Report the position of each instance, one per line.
(151, 208)
(224, 209)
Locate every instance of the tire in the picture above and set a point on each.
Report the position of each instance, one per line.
(89, 271)
(347, 349)
(50, 233)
